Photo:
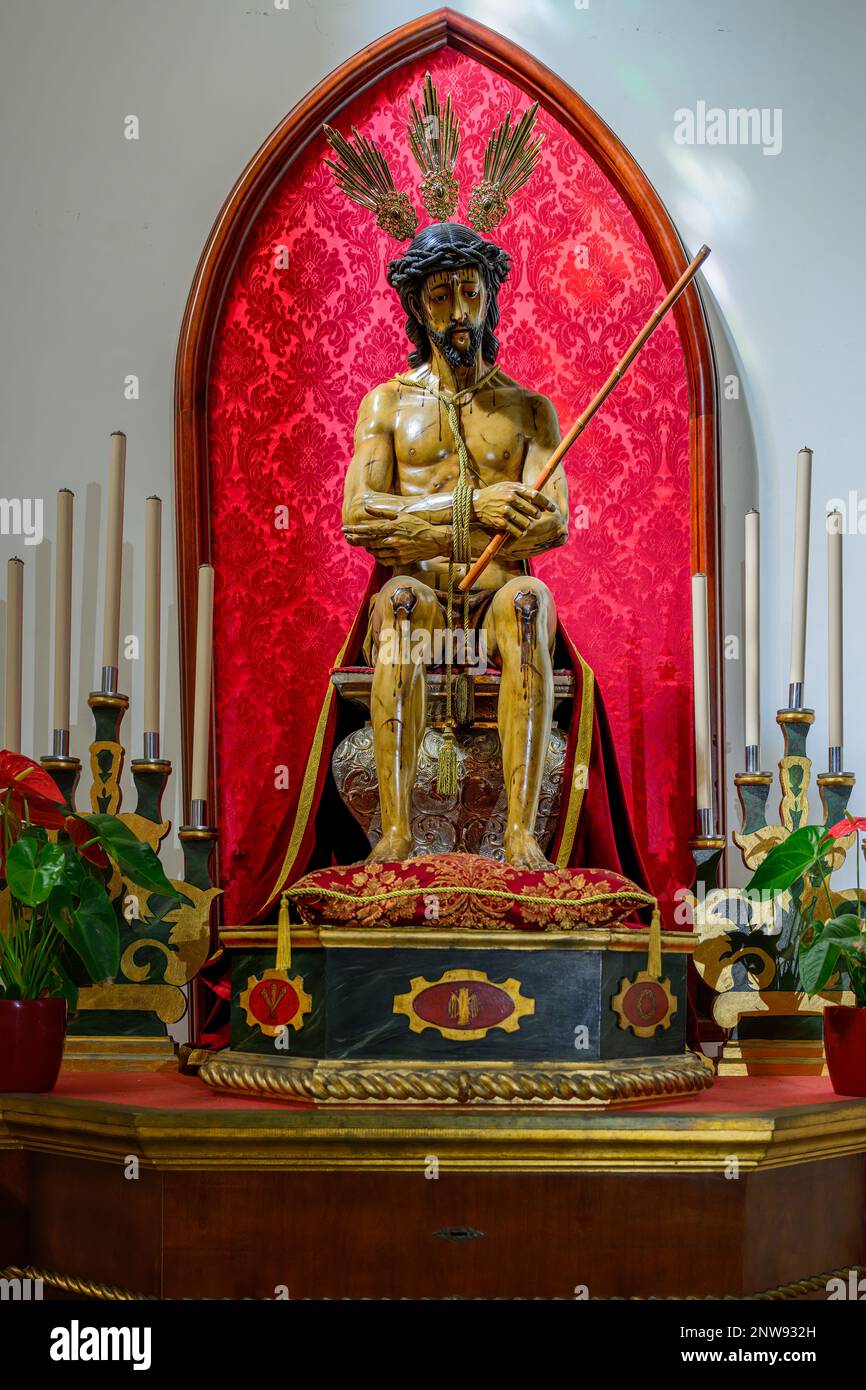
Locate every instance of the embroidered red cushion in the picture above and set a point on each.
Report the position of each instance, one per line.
(466, 891)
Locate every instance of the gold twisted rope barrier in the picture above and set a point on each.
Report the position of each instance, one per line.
(798, 1288)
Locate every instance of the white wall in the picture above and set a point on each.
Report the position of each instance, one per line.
(100, 236)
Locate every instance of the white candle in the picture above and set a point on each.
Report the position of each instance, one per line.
(701, 670)
(14, 645)
(63, 609)
(803, 507)
(203, 660)
(752, 585)
(114, 551)
(834, 628)
(152, 598)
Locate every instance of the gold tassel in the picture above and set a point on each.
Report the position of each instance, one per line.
(446, 770)
(284, 935)
(654, 950)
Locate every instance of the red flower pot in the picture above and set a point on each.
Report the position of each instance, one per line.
(845, 1048)
(31, 1043)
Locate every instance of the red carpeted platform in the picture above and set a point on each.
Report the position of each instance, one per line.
(158, 1091)
(167, 1091)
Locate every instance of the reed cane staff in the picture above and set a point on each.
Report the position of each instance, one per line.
(598, 399)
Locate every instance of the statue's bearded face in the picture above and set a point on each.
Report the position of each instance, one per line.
(453, 309)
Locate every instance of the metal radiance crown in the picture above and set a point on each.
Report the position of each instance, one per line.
(510, 157)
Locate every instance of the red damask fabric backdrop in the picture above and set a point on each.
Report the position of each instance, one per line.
(309, 325)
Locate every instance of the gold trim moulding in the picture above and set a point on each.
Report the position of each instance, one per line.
(254, 938)
(795, 716)
(466, 1138)
(835, 779)
(587, 939)
(101, 699)
(773, 1057)
(118, 1053)
(52, 764)
(753, 779)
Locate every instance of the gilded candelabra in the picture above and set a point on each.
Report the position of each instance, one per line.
(124, 1022)
(748, 945)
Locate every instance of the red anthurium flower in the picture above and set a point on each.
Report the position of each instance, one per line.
(30, 791)
(849, 825)
(79, 833)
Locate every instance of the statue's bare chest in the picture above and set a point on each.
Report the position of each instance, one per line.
(426, 451)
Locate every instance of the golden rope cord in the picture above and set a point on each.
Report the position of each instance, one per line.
(461, 516)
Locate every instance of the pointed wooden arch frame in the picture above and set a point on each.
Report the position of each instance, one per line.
(441, 28)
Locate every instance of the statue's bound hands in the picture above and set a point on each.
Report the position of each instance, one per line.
(511, 507)
(400, 540)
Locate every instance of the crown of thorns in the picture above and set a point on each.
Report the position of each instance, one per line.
(510, 157)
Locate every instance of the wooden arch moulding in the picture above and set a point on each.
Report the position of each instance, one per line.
(682, 374)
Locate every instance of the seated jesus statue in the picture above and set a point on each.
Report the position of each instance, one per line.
(455, 424)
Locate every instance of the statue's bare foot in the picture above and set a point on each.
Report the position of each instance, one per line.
(393, 848)
(522, 851)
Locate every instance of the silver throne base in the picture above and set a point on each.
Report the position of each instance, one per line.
(473, 821)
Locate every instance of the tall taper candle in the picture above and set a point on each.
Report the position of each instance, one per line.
(14, 644)
(801, 576)
(62, 610)
(834, 630)
(203, 659)
(752, 586)
(701, 669)
(152, 599)
(113, 560)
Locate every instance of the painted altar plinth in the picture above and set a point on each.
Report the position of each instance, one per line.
(407, 1017)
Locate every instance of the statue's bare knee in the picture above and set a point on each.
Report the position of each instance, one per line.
(404, 601)
(527, 605)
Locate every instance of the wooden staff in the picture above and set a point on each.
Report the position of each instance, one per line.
(598, 399)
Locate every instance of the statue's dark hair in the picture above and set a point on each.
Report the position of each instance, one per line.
(448, 246)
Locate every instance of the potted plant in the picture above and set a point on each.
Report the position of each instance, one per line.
(828, 943)
(58, 925)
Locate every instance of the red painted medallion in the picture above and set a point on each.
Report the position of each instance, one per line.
(645, 1004)
(469, 1004)
(273, 1002)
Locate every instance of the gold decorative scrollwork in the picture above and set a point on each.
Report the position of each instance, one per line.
(795, 773)
(106, 763)
(190, 937)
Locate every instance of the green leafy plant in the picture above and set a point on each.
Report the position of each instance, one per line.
(824, 946)
(58, 924)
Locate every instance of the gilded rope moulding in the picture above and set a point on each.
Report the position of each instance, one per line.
(577, 1085)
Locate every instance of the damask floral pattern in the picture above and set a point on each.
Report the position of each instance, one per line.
(449, 891)
(309, 324)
